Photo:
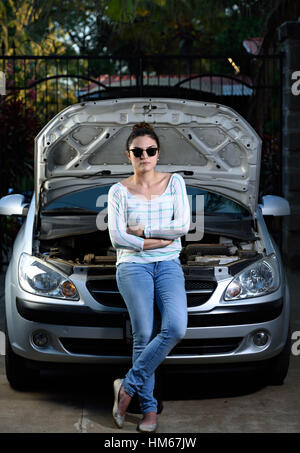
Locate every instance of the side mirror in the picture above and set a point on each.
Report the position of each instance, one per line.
(13, 205)
(274, 205)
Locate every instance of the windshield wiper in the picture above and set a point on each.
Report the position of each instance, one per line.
(68, 210)
(105, 173)
(109, 173)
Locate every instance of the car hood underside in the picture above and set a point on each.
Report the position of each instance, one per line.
(210, 143)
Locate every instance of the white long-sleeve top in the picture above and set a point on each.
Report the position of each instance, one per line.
(166, 216)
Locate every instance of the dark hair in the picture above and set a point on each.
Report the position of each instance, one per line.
(139, 130)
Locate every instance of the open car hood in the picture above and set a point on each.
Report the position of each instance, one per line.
(210, 140)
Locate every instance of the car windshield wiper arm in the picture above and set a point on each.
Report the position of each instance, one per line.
(68, 210)
(105, 173)
(109, 173)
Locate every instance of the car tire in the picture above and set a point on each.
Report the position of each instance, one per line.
(279, 365)
(18, 374)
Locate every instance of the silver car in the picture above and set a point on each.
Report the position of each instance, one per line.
(62, 303)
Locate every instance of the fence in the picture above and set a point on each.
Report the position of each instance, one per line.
(251, 84)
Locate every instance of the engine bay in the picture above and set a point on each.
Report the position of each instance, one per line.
(95, 250)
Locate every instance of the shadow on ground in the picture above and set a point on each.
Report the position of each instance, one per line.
(91, 384)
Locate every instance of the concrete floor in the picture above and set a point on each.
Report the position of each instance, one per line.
(81, 404)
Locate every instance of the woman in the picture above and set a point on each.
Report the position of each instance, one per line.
(147, 214)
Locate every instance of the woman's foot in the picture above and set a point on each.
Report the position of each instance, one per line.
(121, 403)
(124, 401)
(149, 423)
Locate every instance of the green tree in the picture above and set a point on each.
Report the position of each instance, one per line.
(29, 26)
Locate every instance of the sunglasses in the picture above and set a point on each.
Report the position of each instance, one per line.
(137, 152)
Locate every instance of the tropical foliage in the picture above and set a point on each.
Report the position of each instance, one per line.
(134, 26)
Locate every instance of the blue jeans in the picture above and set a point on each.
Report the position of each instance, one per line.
(140, 284)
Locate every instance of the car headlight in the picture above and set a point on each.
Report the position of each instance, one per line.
(37, 277)
(259, 279)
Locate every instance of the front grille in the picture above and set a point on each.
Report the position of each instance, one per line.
(105, 291)
(72, 315)
(103, 347)
(198, 291)
(206, 346)
(200, 285)
(194, 300)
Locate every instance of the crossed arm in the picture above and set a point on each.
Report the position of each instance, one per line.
(143, 237)
(150, 243)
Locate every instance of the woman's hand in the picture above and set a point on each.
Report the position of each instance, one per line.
(153, 243)
(165, 242)
(137, 230)
(156, 243)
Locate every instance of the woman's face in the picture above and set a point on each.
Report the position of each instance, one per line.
(144, 163)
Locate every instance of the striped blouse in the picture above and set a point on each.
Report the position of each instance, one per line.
(165, 216)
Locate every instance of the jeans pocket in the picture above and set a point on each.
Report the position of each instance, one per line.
(178, 265)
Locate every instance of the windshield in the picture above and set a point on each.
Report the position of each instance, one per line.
(215, 203)
(90, 200)
(85, 201)
(221, 214)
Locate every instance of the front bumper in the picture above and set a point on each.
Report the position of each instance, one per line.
(79, 334)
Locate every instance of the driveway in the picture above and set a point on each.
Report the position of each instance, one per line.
(81, 401)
